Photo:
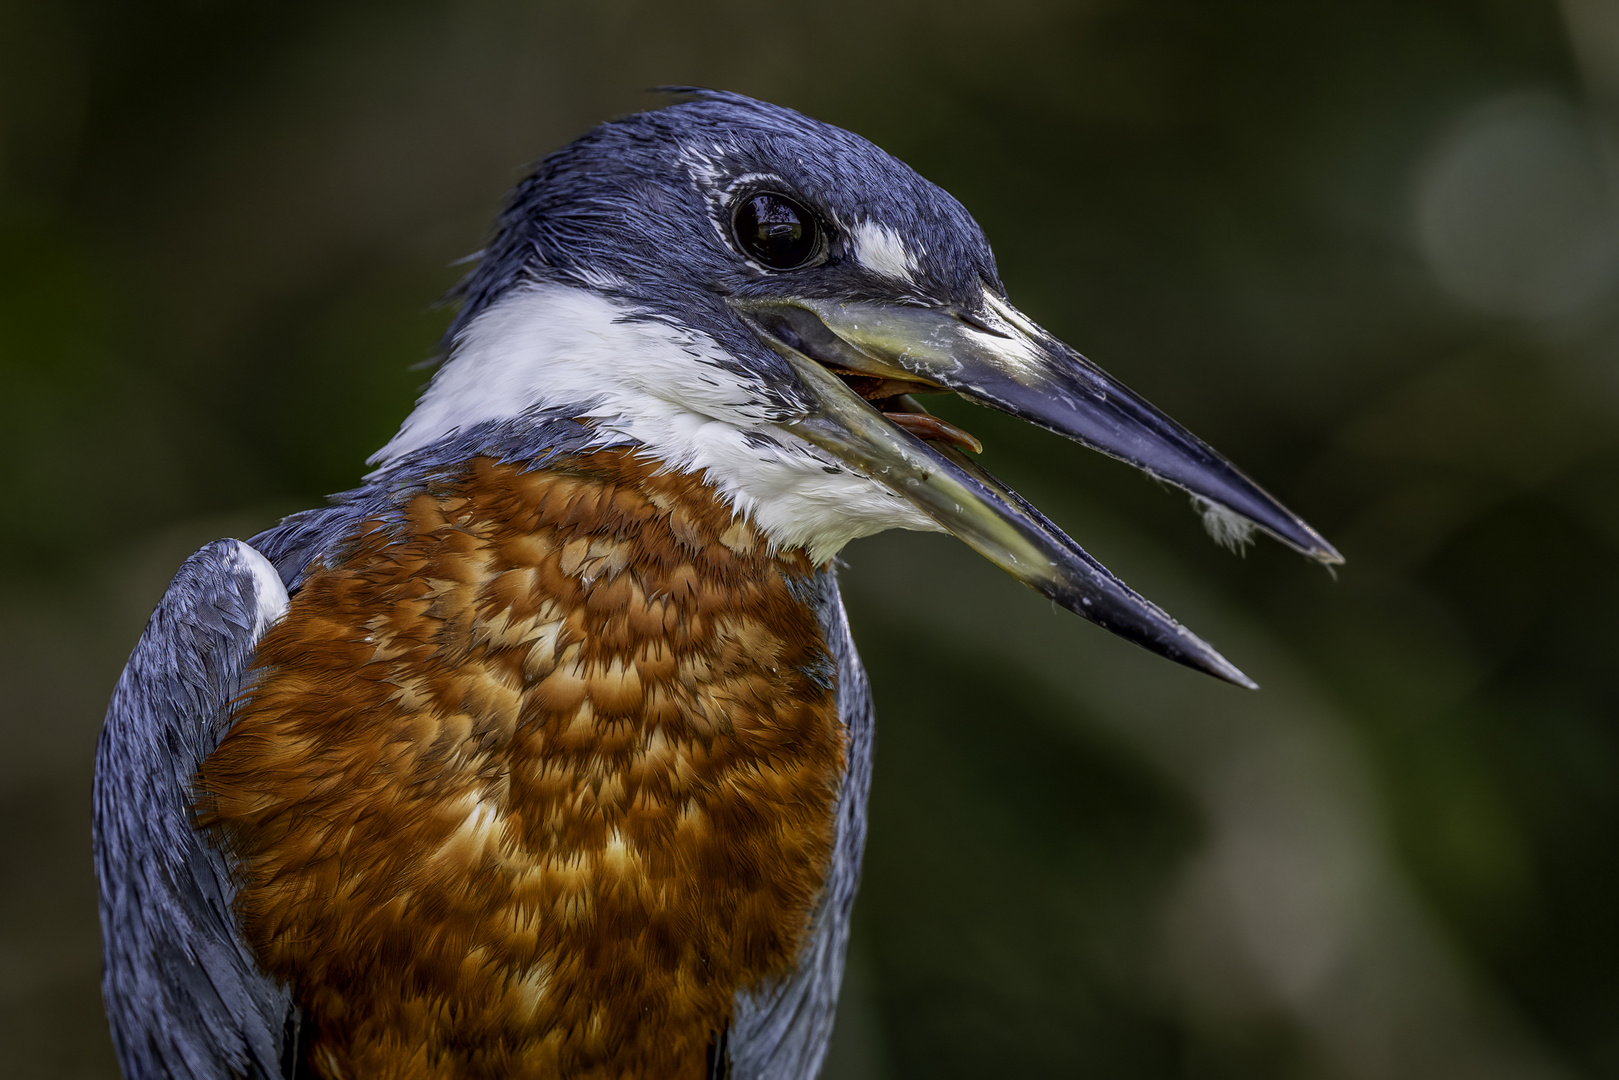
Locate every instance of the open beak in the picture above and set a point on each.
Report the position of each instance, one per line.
(860, 361)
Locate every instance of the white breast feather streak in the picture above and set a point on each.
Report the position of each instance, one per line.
(550, 346)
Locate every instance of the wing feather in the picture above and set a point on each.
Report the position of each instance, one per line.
(781, 1031)
(184, 995)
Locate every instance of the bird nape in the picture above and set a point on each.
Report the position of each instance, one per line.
(544, 752)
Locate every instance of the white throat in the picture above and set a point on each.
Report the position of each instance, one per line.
(557, 348)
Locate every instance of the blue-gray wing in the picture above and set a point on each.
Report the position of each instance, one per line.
(781, 1031)
(184, 996)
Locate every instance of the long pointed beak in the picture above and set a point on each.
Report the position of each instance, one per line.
(999, 358)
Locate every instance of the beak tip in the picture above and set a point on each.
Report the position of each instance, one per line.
(1211, 662)
(1320, 549)
(1324, 554)
(1244, 681)
(1189, 650)
(1316, 546)
(1293, 533)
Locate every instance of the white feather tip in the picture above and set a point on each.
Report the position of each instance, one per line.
(1228, 528)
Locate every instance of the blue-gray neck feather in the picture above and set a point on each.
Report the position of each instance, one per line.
(536, 439)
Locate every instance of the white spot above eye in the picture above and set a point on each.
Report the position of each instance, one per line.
(881, 250)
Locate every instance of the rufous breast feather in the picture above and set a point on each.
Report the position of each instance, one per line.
(533, 780)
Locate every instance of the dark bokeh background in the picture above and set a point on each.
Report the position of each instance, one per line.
(1370, 250)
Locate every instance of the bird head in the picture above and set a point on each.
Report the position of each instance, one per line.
(739, 290)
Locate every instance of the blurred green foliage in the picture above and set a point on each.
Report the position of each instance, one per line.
(1368, 250)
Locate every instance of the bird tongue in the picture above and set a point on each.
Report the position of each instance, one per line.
(924, 425)
(893, 398)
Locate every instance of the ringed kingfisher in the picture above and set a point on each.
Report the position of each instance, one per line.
(544, 751)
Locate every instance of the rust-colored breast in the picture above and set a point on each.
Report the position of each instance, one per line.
(531, 788)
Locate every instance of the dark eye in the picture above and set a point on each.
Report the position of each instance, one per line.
(776, 231)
